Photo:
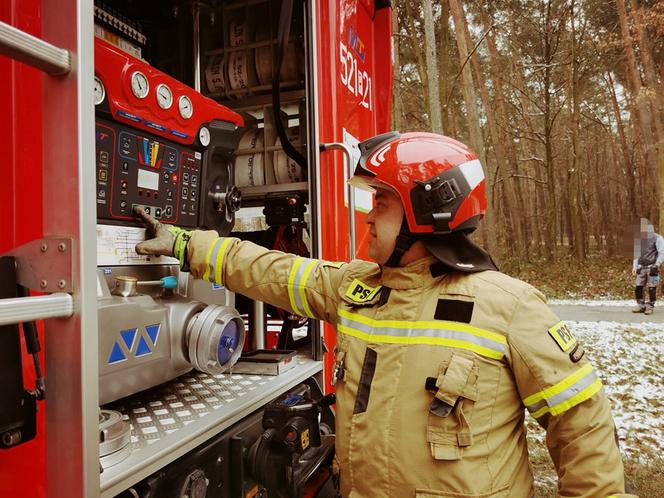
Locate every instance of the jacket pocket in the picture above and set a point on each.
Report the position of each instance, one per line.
(502, 492)
(448, 423)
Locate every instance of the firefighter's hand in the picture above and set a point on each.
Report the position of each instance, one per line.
(166, 240)
(633, 271)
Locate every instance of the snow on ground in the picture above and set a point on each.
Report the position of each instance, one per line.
(630, 360)
(590, 302)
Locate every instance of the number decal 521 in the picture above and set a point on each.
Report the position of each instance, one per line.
(357, 82)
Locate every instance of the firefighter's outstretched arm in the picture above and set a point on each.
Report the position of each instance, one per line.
(304, 286)
(563, 392)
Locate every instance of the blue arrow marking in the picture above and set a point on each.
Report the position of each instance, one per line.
(153, 332)
(143, 347)
(128, 338)
(116, 354)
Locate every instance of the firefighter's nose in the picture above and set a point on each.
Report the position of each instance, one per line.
(371, 217)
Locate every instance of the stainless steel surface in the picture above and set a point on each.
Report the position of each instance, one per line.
(33, 51)
(265, 362)
(108, 461)
(125, 286)
(204, 291)
(172, 419)
(45, 264)
(206, 334)
(142, 342)
(114, 432)
(258, 326)
(109, 274)
(348, 161)
(27, 309)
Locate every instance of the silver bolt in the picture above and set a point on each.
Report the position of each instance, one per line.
(43, 284)
(62, 283)
(62, 246)
(43, 247)
(427, 187)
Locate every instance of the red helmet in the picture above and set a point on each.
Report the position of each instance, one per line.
(440, 181)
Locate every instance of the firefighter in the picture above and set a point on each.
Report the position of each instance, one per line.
(648, 257)
(437, 352)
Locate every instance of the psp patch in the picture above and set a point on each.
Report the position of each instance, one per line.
(359, 292)
(563, 336)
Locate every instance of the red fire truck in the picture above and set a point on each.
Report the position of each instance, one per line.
(119, 374)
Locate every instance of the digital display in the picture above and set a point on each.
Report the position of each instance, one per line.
(148, 179)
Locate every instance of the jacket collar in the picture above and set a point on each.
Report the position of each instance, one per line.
(416, 274)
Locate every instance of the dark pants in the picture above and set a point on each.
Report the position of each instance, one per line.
(643, 279)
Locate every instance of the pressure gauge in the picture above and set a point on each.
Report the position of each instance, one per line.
(164, 96)
(140, 85)
(204, 136)
(100, 91)
(185, 106)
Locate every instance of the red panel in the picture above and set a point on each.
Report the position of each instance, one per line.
(115, 68)
(22, 469)
(354, 94)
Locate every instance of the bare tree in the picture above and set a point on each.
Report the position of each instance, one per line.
(435, 115)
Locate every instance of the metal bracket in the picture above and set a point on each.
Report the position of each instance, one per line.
(45, 265)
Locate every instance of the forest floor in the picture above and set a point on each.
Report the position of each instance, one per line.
(600, 277)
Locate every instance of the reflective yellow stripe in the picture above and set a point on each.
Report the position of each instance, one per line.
(302, 284)
(437, 325)
(433, 341)
(206, 275)
(219, 264)
(587, 393)
(560, 386)
(291, 284)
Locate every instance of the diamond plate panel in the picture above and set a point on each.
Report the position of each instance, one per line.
(158, 412)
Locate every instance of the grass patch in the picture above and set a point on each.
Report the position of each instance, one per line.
(599, 277)
(644, 475)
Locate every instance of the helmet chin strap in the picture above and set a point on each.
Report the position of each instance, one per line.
(404, 241)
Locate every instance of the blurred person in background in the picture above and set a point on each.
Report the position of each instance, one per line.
(648, 257)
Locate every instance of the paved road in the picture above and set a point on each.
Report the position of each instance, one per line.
(622, 314)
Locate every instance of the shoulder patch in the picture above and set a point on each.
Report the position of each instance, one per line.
(562, 336)
(359, 292)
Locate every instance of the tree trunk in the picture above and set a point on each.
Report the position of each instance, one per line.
(397, 106)
(642, 113)
(655, 96)
(548, 146)
(444, 66)
(628, 166)
(435, 117)
(416, 48)
(575, 181)
(472, 113)
(495, 138)
(512, 186)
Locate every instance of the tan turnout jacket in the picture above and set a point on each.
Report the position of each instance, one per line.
(434, 374)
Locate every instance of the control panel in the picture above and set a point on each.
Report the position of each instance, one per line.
(135, 168)
(162, 146)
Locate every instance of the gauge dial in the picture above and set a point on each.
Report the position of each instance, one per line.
(100, 91)
(140, 85)
(164, 96)
(186, 107)
(204, 136)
